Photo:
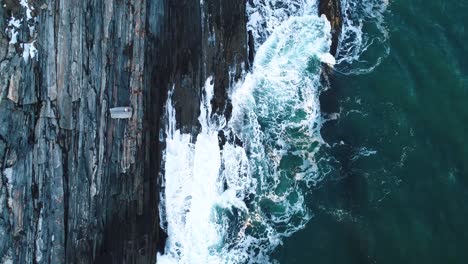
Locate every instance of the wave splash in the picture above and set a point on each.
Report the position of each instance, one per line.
(266, 15)
(363, 42)
(236, 204)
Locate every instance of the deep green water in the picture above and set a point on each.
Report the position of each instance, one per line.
(408, 202)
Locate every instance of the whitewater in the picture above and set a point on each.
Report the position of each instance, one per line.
(237, 204)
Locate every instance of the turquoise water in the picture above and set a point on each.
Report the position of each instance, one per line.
(396, 184)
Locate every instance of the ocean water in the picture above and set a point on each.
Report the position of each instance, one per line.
(373, 170)
(396, 190)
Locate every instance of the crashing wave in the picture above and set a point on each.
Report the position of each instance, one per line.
(265, 15)
(236, 204)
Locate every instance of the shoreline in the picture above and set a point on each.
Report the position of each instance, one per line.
(64, 160)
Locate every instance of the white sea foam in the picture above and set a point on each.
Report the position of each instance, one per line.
(363, 43)
(192, 188)
(276, 115)
(364, 38)
(265, 15)
(235, 205)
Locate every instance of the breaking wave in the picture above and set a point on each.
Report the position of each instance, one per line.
(236, 203)
(265, 15)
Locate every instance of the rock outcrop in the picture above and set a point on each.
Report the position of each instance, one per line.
(332, 10)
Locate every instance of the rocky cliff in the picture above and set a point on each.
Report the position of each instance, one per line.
(76, 185)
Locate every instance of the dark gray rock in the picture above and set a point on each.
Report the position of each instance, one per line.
(77, 186)
(196, 41)
(332, 10)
